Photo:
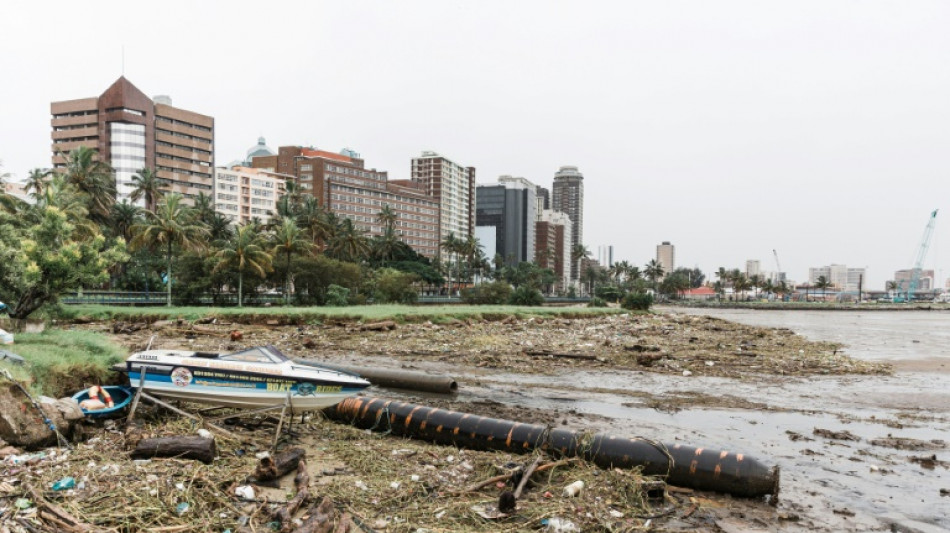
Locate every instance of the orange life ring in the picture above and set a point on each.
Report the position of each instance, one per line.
(106, 397)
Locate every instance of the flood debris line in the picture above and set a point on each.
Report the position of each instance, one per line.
(662, 343)
(684, 466)
(398, 379)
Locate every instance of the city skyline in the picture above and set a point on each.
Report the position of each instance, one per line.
(731, 130)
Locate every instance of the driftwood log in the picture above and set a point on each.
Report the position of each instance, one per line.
(548, 353)
(385, 325)
(302, 483)
(273, 467)
(197, 448)
(322, 519)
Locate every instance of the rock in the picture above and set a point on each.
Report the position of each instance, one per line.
(21, 424)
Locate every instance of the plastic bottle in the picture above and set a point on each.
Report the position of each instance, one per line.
(64, 484)
(573, 489)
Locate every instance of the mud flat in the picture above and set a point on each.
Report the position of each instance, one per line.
(770, 392)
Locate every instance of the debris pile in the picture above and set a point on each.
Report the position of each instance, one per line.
(663, 343)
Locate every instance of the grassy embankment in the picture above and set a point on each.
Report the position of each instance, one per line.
(61, 362)
(313, 315)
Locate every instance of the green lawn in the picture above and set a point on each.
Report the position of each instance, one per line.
(304, 315)
(61, 362)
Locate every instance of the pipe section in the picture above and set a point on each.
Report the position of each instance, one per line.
(398, 379)
(684, 466)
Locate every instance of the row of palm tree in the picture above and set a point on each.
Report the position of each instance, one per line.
(741, 283)
(468, 252)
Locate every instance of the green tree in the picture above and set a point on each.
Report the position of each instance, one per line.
(94, 178)
(36, 181)
(124, 217)
(172, 224)
(42, 258)
(578, 252)
(289, 239)
(740, 284)
(244, 252)
(312, 217)
(348, 243)
(146, 186)
(723, 276)
(453, 245)
(824, 284)
(653, 272)
(204, 207)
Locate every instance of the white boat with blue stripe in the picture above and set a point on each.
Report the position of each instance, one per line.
(249, 379)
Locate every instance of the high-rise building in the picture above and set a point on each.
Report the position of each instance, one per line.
(453, 185)
(666, 257)
(342, 184)
(605, 255)
(242, 193)
(505, 214)
(568, 197)
(753, 267)
(130, 131)
(544, 198)
(553, 245)
(841, 277)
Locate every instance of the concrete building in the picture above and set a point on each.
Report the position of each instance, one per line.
(509, 209)
(344, 186)
(605, 255)
(554, 235)
(841, 277)
(568, 197)
(131, 131)
(544, 198)
(453, 185)
(242, 193)
(925, 282)
(753, 267)
(666, 257)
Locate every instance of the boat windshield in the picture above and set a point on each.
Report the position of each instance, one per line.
(258, 354)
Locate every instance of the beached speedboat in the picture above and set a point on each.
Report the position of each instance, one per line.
(253, 378)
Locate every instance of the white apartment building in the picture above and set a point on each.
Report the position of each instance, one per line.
(453, 185)
(753, 267)
(841, 277)
(558, 218)
(242, 193)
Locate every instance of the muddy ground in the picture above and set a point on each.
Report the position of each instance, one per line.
(580, 374)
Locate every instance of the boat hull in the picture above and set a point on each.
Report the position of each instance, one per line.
(244, 392)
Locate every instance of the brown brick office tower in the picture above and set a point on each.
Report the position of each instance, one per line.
(131, 131)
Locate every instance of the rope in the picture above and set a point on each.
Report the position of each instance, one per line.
(60, 439)
(660, 447)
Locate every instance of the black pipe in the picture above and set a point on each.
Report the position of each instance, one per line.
(684, 466)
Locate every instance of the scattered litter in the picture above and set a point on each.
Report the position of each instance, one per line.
(182, 508)
(559, 525)
(64, 484)
(6, 337)
(245, 491)
(573, 489)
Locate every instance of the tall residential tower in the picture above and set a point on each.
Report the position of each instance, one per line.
(453, 186)
(130, 131)
(568, 197)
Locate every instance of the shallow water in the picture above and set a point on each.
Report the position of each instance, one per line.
(823, 480)
(872, 335)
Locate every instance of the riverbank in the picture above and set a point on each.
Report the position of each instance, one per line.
(769, 393)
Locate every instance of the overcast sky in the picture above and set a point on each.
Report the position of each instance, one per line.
(820, 129)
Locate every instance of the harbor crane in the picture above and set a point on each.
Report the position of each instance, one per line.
(921, 255)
